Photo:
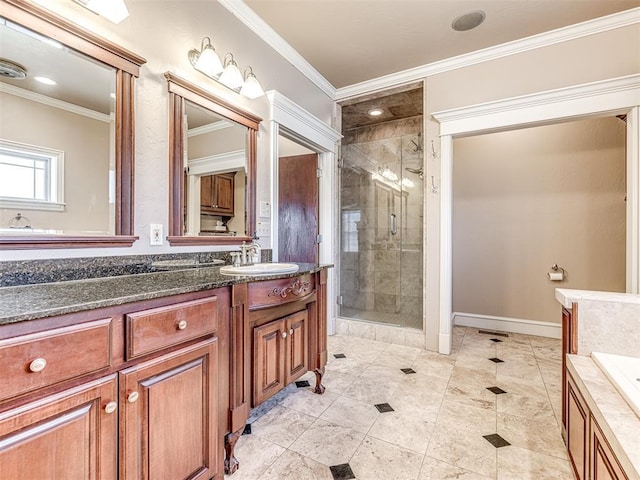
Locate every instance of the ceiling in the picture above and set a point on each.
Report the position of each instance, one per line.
(351, 41)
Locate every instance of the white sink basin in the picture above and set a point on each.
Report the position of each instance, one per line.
(624, 373)
(260, 269)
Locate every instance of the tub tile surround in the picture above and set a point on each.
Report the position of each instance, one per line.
(441, 416)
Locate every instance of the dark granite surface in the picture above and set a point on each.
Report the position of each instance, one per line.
(29, 302)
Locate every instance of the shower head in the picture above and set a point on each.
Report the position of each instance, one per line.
(417, 171)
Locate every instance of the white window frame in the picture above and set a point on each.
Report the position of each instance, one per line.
(55, 158)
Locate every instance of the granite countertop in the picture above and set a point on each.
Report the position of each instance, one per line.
(615, 417)
(568, 296)
(30, 302)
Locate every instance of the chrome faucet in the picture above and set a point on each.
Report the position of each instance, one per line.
(246, 251)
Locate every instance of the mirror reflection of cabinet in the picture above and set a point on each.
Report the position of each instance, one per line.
(216, 194)
(211, 166)
(86, 119)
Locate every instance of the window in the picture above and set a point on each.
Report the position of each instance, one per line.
(31, 177)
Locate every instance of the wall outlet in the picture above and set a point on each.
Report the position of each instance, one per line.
(155, 234)
(264, 210)
(263, 229)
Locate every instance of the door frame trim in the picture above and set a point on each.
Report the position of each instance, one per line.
(608, 97)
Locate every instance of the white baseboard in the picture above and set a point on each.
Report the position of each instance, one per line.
(513, 325)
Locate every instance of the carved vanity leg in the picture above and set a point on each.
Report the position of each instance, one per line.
(319, 387)
(231, 464)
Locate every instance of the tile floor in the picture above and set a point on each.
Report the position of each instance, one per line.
(461, 416)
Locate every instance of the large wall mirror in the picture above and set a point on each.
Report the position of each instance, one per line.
(212, 167)
(66, 133)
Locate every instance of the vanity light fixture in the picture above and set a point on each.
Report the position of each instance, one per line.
(113, 10)
(227, 73)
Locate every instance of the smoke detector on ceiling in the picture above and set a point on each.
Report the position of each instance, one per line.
(9, 69)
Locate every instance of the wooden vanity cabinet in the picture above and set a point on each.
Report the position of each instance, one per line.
(577, 423)
(217, 194)
(126, 392)
(279, 354)
(589, 452)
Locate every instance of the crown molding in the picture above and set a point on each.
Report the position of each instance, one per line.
(295, 118)
(579, 30)
(54, 102)
(247, 16)
(618, 93)
(208, 128)
(219, 163)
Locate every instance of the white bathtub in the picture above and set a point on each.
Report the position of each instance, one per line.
(624, 373)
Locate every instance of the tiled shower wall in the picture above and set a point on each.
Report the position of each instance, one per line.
(381, 273)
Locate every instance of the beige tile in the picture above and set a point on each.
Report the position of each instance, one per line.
(535, 435)
(281, 425)
(522, 464)
(328, 443)
(433, 469)
(378, 460)
(419, 405)
(309, 403)
(471, 376)
(293, 466)
(476, 419)
(403, 431)
(351, 413)
(255, 456)
(464, 449)
(472, 395)
(523, 406)
(336, 382)
(372, 390)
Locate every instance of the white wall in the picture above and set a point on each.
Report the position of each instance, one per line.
(163, 31)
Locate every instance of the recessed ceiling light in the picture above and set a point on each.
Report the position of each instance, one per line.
(468, 20)
(45, 80)
(375, 112)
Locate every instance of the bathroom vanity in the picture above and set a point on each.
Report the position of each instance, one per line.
(599, 424)
(152, 375)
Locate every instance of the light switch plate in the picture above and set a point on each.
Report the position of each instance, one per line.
(263, 229)
(155, 234)
(264, 210)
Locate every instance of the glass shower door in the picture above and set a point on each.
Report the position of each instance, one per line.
(381, 231)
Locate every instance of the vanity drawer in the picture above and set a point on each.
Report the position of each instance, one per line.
(276, 292)
(161, 327)
(37, 360)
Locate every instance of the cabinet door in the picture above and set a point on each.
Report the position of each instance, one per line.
(604, 465)
(577, 430)
(296, 346)
(72, 435)
(268, 360)
(170, 421)
(206, 191)
(223, 194)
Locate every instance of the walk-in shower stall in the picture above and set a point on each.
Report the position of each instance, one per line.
(381, 210)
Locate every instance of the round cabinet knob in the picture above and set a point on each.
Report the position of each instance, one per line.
(182, 324)
(37, 365)
(132, 397)
(291, 331)
(111, 407)
(284, 334)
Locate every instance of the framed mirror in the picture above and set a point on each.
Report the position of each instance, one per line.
(66, 133)
(212, 164)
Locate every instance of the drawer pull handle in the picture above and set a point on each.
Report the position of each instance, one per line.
(111, 407)
(182, 324)
(132, 397)
(37, 365)
(291, 331)
(284, 334)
